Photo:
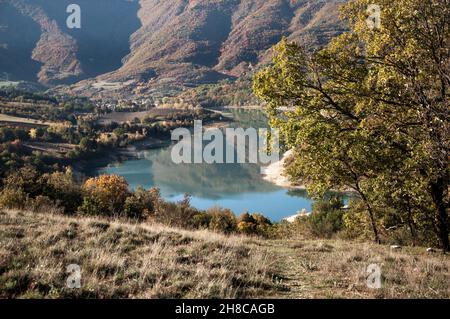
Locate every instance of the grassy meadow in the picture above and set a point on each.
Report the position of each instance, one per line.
(120, 259)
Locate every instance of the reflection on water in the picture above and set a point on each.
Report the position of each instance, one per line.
(239, 187)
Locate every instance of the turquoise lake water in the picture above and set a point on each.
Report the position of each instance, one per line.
(239, 187)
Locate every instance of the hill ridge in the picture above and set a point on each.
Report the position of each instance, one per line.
(157, 43)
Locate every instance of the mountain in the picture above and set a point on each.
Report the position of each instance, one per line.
(138, 46)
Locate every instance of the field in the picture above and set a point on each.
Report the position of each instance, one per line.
(111, 85)
(126, 260)
(122, 117)
(22, 120)
(55, 149)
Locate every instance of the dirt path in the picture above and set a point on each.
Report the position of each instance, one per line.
(339, 269)
(296, 282)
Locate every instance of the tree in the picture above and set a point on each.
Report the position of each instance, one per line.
(370, 111)
(33, 133)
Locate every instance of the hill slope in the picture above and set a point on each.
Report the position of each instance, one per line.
(123, 260)
(154, 43)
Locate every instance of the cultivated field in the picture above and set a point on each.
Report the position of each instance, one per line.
(22, 120)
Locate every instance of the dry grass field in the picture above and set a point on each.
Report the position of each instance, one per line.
(120, 260)
(126, 260)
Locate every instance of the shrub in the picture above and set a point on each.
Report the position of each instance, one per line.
(13, 198)
(222, 220)
(246, 224)
(168, 213)
(263, 225)
(356, 222)
(142, 203)
(108, 193)
(327, 218)
(254, 224)
(134, 208)
(179, 214)
(201, 220)
(62, 188)
(43, 204)
(26, 178)
(92, 206)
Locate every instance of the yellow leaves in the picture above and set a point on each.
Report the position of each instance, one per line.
(59, 128)
(112, 184)
(106, 138)
(109, 189)
(33, 133)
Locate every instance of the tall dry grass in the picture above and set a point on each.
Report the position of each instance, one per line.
(124, 260)
(120, 259)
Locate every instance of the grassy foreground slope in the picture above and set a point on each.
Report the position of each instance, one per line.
(123, 260)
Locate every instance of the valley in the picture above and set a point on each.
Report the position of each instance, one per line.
(234, 149)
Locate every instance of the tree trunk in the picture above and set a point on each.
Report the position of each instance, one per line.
(374, 224)
(411, 225)
(371, 215)
(438, 190)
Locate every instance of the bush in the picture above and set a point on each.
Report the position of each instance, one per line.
(254, 224)
(61, 188)
(168, 213)
(356, 222)
(326, 224)
(179, 214)
(222, 220)
(43, 204)
(26, 178)
(246, 224)
(105, 194)
(135, 208)
(13, 198)
(201, 220)
(263, 225)
(142, 203)
(93, 206)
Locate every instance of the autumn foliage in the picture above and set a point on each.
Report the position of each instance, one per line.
(105, 193)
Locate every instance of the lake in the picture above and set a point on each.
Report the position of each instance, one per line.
(239, 187)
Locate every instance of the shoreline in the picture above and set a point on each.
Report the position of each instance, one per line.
(119, 154)
(275, 173)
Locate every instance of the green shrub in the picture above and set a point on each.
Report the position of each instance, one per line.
(264, 226)
(135, 208)
(326, 219)
(356, 222)
(246, 224)
(201, 220)
(179, 214)
(93, 206)
(107, 193)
